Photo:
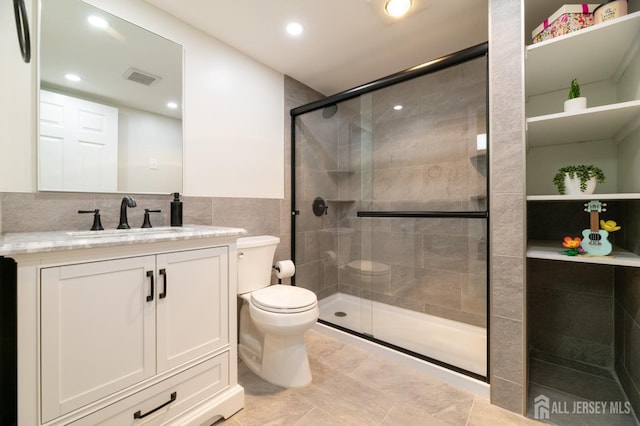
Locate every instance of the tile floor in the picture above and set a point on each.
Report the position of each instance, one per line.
(570, 386)
(352, 387)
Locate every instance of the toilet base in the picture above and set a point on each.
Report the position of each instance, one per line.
(284, 361)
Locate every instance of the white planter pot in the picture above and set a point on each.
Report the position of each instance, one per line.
(575, 104)
(572, 186)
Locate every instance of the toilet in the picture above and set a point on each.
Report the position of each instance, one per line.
(366, 274)
(273, 318)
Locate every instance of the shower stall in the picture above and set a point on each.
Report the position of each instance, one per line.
(389, 210)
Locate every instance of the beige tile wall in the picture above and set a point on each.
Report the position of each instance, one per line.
(415, 159)
(507, 204)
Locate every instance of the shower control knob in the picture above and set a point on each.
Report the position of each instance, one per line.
(319, 207)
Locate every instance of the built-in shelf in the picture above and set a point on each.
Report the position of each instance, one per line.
(340, 172)
(596, 53)
(602, 122)
(340, 201)
(552, 250)
(585, 197)
(479, 161)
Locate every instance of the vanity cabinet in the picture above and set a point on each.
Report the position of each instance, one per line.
(140, 333)
(108, 325)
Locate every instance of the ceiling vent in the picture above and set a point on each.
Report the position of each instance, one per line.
(142, 77)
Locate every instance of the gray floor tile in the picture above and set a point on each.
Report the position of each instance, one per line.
(351, 387)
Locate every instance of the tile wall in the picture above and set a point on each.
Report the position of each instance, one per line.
(507, 204)
(421, 158)
(627, 313)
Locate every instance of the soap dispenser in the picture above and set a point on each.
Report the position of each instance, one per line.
(176, 210)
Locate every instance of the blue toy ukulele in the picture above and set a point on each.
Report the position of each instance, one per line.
(594, 239)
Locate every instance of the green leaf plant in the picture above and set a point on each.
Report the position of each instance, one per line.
(574, 90)
(582, 172)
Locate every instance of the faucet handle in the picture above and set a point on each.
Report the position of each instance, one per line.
(147, 221)
(97, 224)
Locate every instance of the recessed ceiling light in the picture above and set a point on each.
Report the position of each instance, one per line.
(72, 77)
(397, 8)
(397, 107)
(172, 105)
(294, 29)
(97, 21)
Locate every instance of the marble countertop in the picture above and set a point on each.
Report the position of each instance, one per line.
(38, 242)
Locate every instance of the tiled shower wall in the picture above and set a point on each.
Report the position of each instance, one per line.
(422, 158)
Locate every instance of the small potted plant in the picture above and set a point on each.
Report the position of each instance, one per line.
(572, 180)
(575, 102)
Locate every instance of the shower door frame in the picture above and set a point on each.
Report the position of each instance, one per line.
(435, 65)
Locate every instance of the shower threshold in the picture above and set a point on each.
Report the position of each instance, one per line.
(461, 345)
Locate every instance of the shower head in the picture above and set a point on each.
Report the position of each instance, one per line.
(329, 111)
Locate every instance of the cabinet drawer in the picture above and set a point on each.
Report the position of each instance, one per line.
(190, 388)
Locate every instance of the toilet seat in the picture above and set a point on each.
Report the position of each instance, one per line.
(284, 299)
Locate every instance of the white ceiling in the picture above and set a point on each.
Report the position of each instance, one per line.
(346, 43)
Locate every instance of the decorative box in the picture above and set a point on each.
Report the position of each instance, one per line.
(569, 18)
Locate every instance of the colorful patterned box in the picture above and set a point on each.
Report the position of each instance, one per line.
(569, 18)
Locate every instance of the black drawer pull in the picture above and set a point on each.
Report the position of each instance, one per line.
(138, 414)
(163, 272)
(150, 296)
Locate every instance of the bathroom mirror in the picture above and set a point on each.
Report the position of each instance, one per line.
(110, 111)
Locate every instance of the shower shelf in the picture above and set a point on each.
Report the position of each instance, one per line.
(340, 172)
(340, 201)
(551, 250)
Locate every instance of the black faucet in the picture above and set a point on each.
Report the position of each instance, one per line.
(127, 201)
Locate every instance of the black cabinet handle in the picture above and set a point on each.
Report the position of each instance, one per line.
(150, 296)
(163, 272)
(22, 26)
(138, 414)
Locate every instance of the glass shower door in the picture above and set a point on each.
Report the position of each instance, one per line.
(390, 212)
(328, 153)
(425, 249)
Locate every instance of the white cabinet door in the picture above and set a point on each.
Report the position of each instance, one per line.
(192, 305)
(97, 331)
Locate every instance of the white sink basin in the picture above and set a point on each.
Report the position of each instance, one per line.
(128, 232)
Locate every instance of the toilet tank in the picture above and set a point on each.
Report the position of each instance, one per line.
(255, 261)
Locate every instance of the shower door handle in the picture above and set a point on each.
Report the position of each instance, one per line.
(426, 214)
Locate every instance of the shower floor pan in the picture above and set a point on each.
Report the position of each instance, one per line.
(458, 344)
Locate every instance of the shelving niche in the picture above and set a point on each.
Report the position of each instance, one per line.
(605, 58)
(585, 290)
(605, 134)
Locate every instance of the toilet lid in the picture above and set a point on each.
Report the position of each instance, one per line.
(284, 299)
(368, 267)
